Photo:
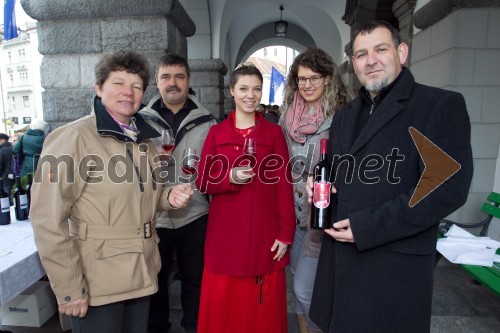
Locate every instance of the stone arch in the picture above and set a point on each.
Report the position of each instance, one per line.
(263, 36)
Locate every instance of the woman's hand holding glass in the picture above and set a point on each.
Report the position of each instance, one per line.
(243, 174)
(179, 195)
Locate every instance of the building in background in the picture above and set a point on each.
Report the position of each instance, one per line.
(21, 90)
(277, 56)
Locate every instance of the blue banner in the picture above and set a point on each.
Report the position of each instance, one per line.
(277, 79)
(9, 20)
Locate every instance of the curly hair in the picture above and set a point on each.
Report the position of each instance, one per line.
(122, 60)
(336, 93)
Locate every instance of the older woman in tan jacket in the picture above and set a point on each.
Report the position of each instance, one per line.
(94, 202)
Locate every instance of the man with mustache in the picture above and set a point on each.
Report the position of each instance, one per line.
(182, 232)
(375, 271)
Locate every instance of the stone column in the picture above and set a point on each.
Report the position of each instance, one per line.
(458, 49)
(436, 10)
(228, 98)
(356, 13)
(207, 80)
(403, 11)
(72, 35)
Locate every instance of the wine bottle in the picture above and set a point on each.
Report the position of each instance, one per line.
(28, 190)
(320, 210)
(4, 205)
(20, 201)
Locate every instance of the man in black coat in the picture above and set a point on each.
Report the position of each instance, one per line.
(375, 271)
(6, 162)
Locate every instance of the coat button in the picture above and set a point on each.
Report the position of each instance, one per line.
(67, 298)
(302, 163)
(236, 148)
(299, 208)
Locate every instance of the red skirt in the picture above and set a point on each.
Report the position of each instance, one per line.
(231, 304)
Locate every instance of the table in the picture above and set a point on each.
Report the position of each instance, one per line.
(20, 264)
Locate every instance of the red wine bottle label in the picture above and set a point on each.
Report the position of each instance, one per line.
(321, 194)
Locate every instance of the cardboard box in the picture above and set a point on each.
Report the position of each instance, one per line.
(33, 307)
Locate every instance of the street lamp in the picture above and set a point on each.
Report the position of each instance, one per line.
(281, 26)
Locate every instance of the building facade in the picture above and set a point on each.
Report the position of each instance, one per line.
(21, 84)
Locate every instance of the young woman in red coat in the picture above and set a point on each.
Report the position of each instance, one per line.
(251, 217)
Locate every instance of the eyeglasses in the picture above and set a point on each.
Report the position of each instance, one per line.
(301, 81)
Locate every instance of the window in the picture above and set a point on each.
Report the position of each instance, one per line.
(24, 78)
(275, 52)
(12, 103)
(22, 54)
(15, 120)
(10, 57)
(11, 77)
(265, 52)
(26, 101)
(26, 120)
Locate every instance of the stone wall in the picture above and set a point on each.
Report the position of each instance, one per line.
(207, 80)
(72, 35)
(460, 52)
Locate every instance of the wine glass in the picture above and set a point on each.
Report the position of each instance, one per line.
(249, 150)
(190, 161)
(167, 140)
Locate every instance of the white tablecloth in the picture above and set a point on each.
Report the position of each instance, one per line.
(20, 264)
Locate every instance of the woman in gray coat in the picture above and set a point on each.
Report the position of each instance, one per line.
(314, 91)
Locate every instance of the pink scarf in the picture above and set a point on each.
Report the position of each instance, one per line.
(300, 122)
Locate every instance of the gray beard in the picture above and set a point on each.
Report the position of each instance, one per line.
(376, 86)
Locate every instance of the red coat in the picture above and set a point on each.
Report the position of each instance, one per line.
(245, 220)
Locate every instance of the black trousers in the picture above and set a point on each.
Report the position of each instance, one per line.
(187, 243)
(128, 316)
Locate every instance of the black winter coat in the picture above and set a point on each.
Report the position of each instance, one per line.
(6, 162)
(383, 282)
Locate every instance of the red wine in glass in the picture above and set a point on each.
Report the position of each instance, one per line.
(188, 170)
(167, 140)
(190, 161)
(167, 148)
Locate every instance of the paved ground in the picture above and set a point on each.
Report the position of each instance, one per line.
(459, 306)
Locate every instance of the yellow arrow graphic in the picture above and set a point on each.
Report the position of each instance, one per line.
(439, 166)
